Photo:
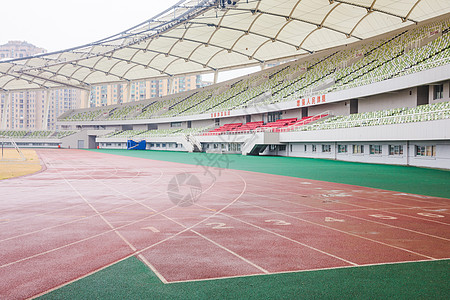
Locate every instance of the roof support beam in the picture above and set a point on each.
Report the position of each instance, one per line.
(410, 11)
(44, 125)
(370, 8)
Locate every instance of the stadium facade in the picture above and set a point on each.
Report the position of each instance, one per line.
(382, 99)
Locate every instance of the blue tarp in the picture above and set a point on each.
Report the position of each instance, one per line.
(136, 145)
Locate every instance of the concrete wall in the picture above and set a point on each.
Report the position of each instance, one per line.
(446, 93)
(387, 101)
(440, 160)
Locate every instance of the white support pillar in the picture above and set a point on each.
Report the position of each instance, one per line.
(85, 98)
(171, 85)
(128, 92)
(46, 110)
(5, 111)
(263, 66)
(216, 76)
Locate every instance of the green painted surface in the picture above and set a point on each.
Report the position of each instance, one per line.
(131, 279)
(414, 180)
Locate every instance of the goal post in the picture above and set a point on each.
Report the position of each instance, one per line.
(9, 150)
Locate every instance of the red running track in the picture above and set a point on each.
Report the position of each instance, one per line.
(89, 210)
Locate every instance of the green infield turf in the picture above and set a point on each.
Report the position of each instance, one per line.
(130, 279)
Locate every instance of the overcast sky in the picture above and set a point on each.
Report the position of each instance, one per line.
(58, 25)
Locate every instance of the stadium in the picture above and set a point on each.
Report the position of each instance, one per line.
(324, 174)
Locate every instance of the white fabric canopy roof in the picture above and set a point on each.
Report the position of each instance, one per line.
(204, 36)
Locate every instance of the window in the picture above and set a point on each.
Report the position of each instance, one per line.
(326, 148)
(438, 91)
(358, 149)
(395, 150)
(376, 149)
(426, 151)
(342, 148)
(314, 148)
(305, 148)
(282, 148)
(175, 124)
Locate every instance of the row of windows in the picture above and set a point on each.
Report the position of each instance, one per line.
(375, 149)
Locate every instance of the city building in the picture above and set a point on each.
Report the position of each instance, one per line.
(26, 110)
(117, 93)
(19, 49)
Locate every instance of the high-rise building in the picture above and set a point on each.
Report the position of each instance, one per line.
(117, 93)
(25, 110)
(19, 49)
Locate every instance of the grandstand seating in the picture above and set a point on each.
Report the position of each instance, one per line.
(36, 134)
(420, 113)
(404, 53)
(141, 134)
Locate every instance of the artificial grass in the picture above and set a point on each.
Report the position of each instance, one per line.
(130, 279)
(423, 181)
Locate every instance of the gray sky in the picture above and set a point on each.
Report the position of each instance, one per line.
(58, 25)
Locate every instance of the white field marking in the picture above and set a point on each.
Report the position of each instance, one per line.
(292, 240)
(202, 221)
(219, 226)
(151, 228)
(425, 214)
(345, 232)
(101, 216)
(372, 221)
(415, 200)
(154, 270)
(383, 217)
(123, 226)
(302, 271)
(62, 224)
(86, 239)
(278, 222)
(330, 219)
(232, 252)
(79, 278)
(437, 210)
(412, 195)
(389, 225)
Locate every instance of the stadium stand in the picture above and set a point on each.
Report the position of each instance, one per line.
(36, 134)
(404, 53)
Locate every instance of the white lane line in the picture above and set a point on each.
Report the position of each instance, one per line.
(146, 262)
(350, 216)
(232, 252)
(79, 278)
(291, 240)
(151, 228)
(345, 232)
(304, 271)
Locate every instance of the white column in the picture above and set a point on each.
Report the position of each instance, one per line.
(128, 92)
(85, 97)
(216, 76)
(171, 85)
(46, 110)
(262, 66)
(5, 111)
